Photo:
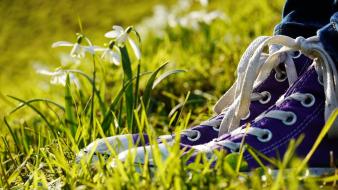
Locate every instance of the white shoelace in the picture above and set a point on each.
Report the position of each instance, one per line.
(256, 66)
(311, 47)
(263, 135)
(325, 67)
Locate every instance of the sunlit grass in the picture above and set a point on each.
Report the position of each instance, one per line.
(172, 86)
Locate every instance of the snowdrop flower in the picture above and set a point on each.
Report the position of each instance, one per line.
(111, 57)
(59, 77)
(110, 54)
(78, 50)
(121, 36)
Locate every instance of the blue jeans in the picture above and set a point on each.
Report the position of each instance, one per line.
(310, 17)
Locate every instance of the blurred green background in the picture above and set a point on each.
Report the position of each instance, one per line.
(28, 28)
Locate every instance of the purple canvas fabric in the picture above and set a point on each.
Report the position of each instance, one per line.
(138, 141)
(310, 121)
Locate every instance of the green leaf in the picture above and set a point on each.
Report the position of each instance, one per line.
(14, 136)
(109, 115)
(69, 108)
(37, 100)
(97, 92)
(150, 84)
(165, 75)
(36, 111)
(137, 85)
(234, 159)
(129, 95)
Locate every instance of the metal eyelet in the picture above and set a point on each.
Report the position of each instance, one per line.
(266, 98)
(216, 128)
(296, 54)
(290, 119)
(320, 80)
(195, 138)
(308, 101)
(166, 137)
(246, 117)
(210, 156)
(267, 136)
(280, 78)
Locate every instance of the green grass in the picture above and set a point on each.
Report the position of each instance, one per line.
(45, 125)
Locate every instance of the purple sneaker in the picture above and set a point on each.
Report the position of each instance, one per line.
(299, 111)
(283, 70)
(302, 110)
(243, 86)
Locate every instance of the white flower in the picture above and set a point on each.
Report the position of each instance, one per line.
(118, 33)
(110, 55)
(135, 48)
(77, 49)
(122, 36)
(59, 77)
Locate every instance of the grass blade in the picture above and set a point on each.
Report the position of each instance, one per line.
(97, 92)
(36, 111)
(14, 136)
(137, 85)
(330, 122)
(38, 100)
(109, 114)
(165, 75)
(69, 108)
(149, 86)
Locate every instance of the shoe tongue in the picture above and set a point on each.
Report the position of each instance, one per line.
(301, 63)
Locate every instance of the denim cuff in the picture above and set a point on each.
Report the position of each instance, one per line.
(328, 36)
(295, 30)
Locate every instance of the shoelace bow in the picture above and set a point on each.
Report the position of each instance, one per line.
(255, 70)
(325, 67)
(255, 65)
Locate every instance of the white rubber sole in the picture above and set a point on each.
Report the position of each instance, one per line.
(310, 172)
